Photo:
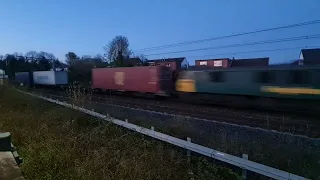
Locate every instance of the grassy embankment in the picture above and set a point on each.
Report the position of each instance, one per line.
(60, 143)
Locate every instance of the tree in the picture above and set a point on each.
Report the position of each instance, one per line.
(46, 55)
(31, 55)
(86, 57)
(10, 61)
(80, 68)
(46, 60)
(118, 50)
(71, 57)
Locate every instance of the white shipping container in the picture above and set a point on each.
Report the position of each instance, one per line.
(50, 77)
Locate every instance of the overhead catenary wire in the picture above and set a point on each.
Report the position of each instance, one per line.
(229, 36)
(256, 51)
(244, 44)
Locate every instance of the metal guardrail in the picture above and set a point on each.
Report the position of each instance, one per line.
(227, 158)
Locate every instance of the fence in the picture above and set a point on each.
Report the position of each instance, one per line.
(242, 163)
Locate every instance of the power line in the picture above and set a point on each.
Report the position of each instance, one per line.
(264, 50)
(245, 44)
(229, 36)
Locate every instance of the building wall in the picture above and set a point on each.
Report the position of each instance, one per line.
(184, 64)
(213, 63)
(171, 65)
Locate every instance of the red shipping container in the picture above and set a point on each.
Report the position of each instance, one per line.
(144, 79)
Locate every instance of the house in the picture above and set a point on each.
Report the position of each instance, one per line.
(222, 62)
(309, 56)
(251, 62)
(172, 63)
(60, 67)
(226, 62)
(133, 62)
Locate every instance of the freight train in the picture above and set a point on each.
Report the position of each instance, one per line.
(270, 86)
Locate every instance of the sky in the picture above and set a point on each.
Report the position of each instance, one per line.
(84, 27)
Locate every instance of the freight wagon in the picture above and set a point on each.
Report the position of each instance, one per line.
(152, 80)
(50, 78)
(295, 87)
(23, 78)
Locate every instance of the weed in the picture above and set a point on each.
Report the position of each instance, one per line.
(79, 96)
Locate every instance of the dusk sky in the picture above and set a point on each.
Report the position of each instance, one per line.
(81, 26)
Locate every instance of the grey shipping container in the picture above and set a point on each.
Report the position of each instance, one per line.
(50, 77)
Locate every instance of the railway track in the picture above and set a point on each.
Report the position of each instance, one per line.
(272, 121)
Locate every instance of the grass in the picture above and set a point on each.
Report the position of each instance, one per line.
(293, 154)
(285, 152)
(60, 143)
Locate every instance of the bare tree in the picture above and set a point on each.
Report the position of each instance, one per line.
(71, 57)
(51, 56)
(118, 46)
(99, 57)
(142, 58)
(46, 55)
(15, 54)
(32, 54)
(86, 57)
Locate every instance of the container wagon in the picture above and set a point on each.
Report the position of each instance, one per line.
(152, 80)
(50, 78)
(23, 78)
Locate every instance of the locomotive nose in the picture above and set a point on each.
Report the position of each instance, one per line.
(185, 85)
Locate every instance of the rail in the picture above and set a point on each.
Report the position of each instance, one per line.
(227, 158)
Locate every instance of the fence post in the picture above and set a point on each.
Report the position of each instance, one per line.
(152, 128)
(188, 151)
(127, 121)
(244, 171)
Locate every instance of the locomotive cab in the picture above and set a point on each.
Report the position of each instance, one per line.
(186, 82)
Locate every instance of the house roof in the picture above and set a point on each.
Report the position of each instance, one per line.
(133, 61)
(252, 62)
(63, 65)
(311, 55)
(212, 59)
(179, 59)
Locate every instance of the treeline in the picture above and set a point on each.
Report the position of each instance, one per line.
(117, 54)
(31, 61)
(80, 67)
